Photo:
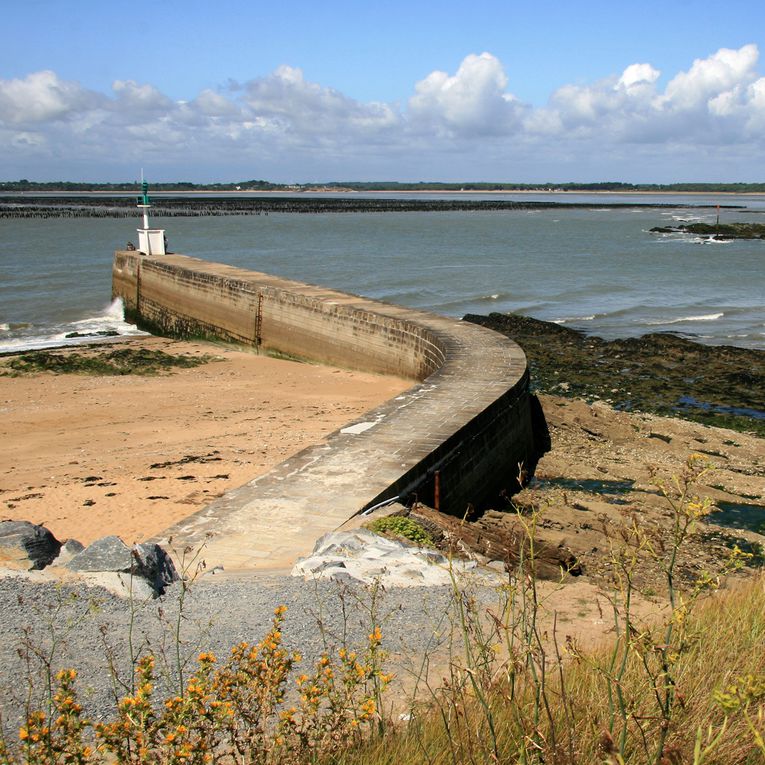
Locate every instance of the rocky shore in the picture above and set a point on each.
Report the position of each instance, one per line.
(658, 373)
(719, 231)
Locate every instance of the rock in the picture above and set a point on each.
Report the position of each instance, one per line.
(105, 554)
(714, 384)
(69, 549)
(155, 565)
(362, 556)
(148, 562)
(121, 585)
(27, 545)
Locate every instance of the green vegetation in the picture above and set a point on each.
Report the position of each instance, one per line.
(123, 361)
(684, 684)
(401, 526)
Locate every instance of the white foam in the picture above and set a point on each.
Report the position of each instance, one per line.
(112, 319)
(684, 319)
(573, 318)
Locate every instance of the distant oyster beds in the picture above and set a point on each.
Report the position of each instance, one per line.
(125, 207)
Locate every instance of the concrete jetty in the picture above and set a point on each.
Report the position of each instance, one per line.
(458, 436)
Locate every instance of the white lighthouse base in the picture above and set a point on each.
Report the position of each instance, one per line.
(151, 241)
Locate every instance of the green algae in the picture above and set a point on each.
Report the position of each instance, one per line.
(122, 361)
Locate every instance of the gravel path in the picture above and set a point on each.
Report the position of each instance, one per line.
(78, 626)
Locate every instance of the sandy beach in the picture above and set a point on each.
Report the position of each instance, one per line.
(130, 455)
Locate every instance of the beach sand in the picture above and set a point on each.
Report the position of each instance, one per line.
(89, 456)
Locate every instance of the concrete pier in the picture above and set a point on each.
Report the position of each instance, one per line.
(466, 422)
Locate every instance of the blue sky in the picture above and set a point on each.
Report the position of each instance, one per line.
(307, 91)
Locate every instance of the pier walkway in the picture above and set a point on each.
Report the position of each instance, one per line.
(465, 423)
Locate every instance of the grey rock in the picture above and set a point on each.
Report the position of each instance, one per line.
(69, 549)
(155, 565)
(122, 585)
(110, 554)
(105, 554)
(27, 545)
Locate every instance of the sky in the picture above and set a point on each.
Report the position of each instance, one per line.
(426, 90)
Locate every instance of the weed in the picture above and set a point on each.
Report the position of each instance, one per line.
(400, 526)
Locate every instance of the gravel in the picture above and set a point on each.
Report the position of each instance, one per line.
(65, 625)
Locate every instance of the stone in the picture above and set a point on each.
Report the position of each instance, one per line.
(363, 556)
(148, 562)
(69, 549)
(120, 584)
(155, 565)
(105, 554)
(27, 545)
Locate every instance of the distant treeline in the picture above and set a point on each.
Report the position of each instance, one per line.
(24, 185)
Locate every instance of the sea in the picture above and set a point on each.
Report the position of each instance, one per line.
(598, 269)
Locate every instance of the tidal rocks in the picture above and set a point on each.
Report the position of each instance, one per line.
(657, 373)
(719, 231)
(26, 545)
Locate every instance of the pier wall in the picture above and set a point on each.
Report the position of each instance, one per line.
(465, 425)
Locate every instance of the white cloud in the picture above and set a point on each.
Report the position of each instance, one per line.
(286, 100)
(41, 97)
(452, 121)
(710, 77)
(638, 76)
(139, 99)
(471, 102)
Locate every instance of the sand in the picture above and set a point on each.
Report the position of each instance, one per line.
(89, 456)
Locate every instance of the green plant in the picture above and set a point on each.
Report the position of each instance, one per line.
(401, 526)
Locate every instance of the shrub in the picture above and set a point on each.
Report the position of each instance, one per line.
(400, 526)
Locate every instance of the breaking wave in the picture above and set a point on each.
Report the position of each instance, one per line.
(27, 336)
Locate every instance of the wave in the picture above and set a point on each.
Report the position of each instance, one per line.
(684, 319)
(109, 323)
(567, 319)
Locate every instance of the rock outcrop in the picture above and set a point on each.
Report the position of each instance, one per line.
(111, 556)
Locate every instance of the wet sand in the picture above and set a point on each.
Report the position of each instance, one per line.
(130, 455)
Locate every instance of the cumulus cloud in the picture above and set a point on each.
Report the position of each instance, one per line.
(473, 101)
(711, 77)
(285, 99)
(42, 97)
(139, 99)
(470, 116)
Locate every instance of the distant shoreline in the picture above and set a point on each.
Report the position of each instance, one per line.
(157, 194)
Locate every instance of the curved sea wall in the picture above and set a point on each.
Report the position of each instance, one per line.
(456, 438)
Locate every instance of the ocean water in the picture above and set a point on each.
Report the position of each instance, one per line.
(598, 270)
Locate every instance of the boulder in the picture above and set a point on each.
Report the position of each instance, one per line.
(148, 562)
(155, 565)
(105, 554)
(26, 545)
